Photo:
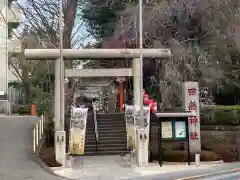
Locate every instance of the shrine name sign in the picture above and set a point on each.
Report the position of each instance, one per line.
(191, 103)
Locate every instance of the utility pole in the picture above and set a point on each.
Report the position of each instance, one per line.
(8, 105)
(61, 63)
(141, 55)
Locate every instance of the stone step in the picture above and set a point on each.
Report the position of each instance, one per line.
(110, 137)
(111, 124)
(90, 148)
(110, 114)
(110, 119)
(112, 146)
(102, 153)
(112, 149)
(90, 130)
(110, 129)
(91, 137)
(117, 132)
(90, 125)
(112, 141)
(90, 140)
(101, 145)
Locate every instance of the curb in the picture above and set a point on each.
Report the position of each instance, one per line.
(43, 165)
(40, 162)
(48, 169)
(193, 163)
(210, 174)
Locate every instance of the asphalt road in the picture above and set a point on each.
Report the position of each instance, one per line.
(231, 176)
(226, 171)
(16, 158)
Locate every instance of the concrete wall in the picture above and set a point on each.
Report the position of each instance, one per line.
(222, 140)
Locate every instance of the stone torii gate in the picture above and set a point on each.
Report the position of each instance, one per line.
(72, 54)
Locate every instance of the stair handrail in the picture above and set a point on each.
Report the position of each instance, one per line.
(95, 121)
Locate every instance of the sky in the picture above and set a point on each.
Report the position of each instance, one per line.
(81, 30)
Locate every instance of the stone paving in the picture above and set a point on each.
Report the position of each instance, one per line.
(115, 168)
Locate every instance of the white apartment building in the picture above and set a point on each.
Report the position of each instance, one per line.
(9, 19)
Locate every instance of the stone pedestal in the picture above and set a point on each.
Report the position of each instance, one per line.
(60, 147)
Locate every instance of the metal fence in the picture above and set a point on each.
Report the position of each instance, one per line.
(15, 96)
(38, 134)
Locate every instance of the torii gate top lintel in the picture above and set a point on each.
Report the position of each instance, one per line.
(53, 54)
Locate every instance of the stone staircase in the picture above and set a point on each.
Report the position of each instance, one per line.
(112, 139)
(112, 134)
(90, 138)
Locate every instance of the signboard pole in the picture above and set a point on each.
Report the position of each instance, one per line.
(160, 155)
(150, 137)
(188, 144)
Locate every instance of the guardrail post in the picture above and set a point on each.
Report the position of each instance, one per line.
(42, 123)
(34, 139)
(37, 131)
(40, 128)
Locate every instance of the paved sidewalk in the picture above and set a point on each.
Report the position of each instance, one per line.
(116, 168)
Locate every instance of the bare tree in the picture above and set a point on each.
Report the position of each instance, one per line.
(190, 28)
(40, 29)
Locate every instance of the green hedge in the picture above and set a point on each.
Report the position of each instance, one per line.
(25, 109)
(22, 109)
(220, 115)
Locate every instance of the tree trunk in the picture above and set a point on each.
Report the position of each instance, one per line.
(27, 92)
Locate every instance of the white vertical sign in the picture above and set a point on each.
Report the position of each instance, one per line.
(78, 130)
(142, 123)
(191, 103)
(130, 127)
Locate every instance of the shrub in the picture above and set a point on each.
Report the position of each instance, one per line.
(227, 115)
(220, 115)
(207, 114)
(22, 109)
